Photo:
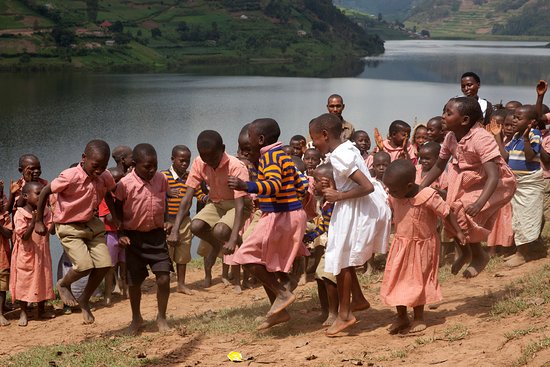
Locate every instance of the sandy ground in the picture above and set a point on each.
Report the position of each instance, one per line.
(460, 331)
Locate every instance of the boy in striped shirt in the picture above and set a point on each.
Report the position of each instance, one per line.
(268, 253)
(177, 174)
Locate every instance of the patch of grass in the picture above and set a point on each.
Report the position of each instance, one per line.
(400, 353)
(494, 263)
(92, 353)
(528, 293)
(530, 350)
(518, 333)
(455, 332)
(444, 273)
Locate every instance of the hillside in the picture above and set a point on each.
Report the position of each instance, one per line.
(301, 37)
(389, 9)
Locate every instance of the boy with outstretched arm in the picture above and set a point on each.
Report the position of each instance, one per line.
(79, 191)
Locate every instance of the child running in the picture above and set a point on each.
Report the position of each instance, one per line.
(361, 216)
(480, 182)
(277, 238)
(410, 276)
(141, 195)
(31, 266)
(79, 191)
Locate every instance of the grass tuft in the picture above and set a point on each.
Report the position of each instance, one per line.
(530, 350)
(455, 332)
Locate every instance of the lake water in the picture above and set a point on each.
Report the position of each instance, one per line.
(54, 115)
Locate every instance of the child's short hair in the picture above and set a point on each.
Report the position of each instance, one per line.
(313, 150)
(180, 148)
(209, 139)
(501, 112)
(121, 152)
(244, 130)
(397, 126)
(143, 150)
(329, 122)
(472, 75)
(31, 185)
(530, 110)
(419, 126)
(431, 147)
(25, 158)
(116, 171)
(468, 106)
(402, 169)
(298, 138)
(436, 119)
(381, 155)
(97, 146)
(356, 134)
(298, 163)
(325, 170)
(269, 128)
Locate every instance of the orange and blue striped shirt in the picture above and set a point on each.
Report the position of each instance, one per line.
(179, 183)
(280, 187)
(322, 226)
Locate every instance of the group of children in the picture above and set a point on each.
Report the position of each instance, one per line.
(265, 210)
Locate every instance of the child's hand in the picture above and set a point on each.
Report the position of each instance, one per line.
(16, 186)
(168, 226)
(124, 241)
(378, 140)
(542, 87)
(115, 222)
(40, 228)
(461, 238)
(236, 183)
(229, 247)
(172, 238)
(331, 195)
(174, 193)
(473, 209)
(494, 128)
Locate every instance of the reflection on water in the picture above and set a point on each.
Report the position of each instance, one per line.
(498, 63)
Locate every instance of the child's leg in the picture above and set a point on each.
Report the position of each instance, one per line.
(23, 321)
(323, 298)
(402, 321)
(109, 280)
(345, 318)
(277, 318)
(181, 270)
(358, 300)
(236, 278)
(283, 296)
(479, 261)
(123, 279)
(3, 320)
(64, 286)
(463, 254)
(202, 230)
(135, 303)
(42, 314)
(96, 276)
(369, 266)
(332, 298)
(247, 281)
(163, 292)
(225, 273)
(418, 323)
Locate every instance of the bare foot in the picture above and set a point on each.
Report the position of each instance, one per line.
(185, 290)
(516, 260)
(246, 284)
(46, 315)
(274, 319)
(291, 285)
(330, 319)
(281, 302)
(23, 319)
(208, 281)
(66, 295)
(476, 266)
(86, 312)
(435, 306)
(360, 306)
(417, 326)
(237, 289)
(340, 325)
(399, 325)
(134, 327)
(460, 260)
(226, 281)
(162, 324)
(108, 302)
(3, 321)
(302, 280)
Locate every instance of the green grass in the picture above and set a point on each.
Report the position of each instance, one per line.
(529, 351)
(455, 332)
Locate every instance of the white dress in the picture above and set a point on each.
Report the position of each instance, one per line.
(358, 227)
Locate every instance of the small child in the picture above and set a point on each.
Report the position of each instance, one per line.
(5, 236)
(479, 180)
(362, 141)
(277, 238)
(31, 265)
(176, 175)
(117, 252)
(288, 150)
(79, 191)
(141, 197)
(410, 276)
(298, 145)
(397, 145)
(428, 155)
(312, 159)
(30, 169)
(419, 137)
(435, 130)
(224, 215)
(380, 162)
(361, 216)
(122, 155)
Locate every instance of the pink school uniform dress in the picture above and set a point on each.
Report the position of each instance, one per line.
(441, 183)
(31, 261)
(410, 276)
(393, 152)
(466, 178)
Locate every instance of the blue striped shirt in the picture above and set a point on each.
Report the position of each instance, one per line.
(516, 150)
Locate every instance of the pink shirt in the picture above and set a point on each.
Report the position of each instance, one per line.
(216, 179)
(79, 195)
(143, 202)
(393, 152)
(440, 183)
(546, 147)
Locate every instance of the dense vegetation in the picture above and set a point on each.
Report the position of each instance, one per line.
(531, 21)
(305, 37)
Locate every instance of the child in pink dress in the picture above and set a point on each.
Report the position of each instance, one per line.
(31, 265)
(410, 276)
(480, 181)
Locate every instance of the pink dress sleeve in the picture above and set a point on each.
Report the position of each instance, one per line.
(485, 146)
(445, 152)
(20, 223)
(438, 205)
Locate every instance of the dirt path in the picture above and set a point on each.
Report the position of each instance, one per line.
(460, 331)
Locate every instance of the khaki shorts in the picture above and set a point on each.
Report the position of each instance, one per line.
(4, 280)
(181, 252)
(85, 244)
(321, 274)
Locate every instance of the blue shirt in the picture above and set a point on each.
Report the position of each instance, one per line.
(516, 149)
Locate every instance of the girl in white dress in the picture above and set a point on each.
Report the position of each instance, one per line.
(360, 222)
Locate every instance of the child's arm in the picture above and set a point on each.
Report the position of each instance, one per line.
(238, 222)
(114, 220)
(460, 236)
(364, 187)
(4, 232)
(183, 211)
(502, 149)
(530, 152)
(30, 228)
(493, 176)
(542, 87)
(39, 227)
(434, 173)
(14, 188)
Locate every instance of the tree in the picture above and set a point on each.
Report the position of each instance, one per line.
(63, 37)
(155, 33)
(117, 27)
(92, 7)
